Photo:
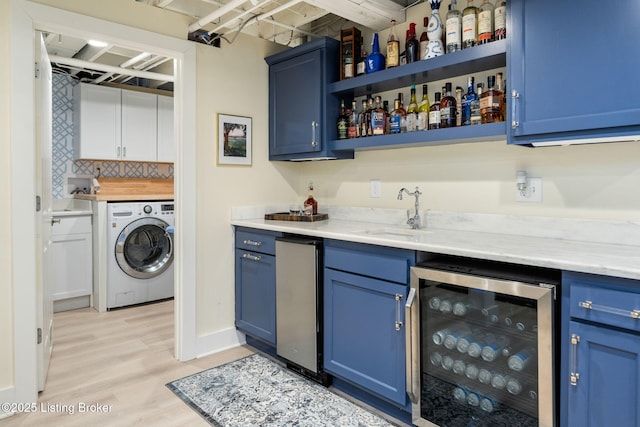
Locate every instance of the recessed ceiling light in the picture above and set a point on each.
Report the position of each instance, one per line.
(97, 43)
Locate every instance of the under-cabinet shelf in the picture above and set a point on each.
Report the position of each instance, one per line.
(468, 61)
(463, 134)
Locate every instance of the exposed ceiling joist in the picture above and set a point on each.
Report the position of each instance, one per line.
(109, 68)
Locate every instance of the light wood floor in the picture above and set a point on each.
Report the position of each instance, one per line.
(120, 358)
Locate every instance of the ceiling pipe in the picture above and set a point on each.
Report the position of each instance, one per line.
(215, 15)
(110, 68)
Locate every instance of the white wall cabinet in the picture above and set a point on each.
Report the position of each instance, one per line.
(124, 125)
(72, 257)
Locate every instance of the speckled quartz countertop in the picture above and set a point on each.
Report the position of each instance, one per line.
(610, 248)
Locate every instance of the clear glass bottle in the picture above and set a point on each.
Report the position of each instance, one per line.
(352, 129)
(310, 205)
(469, 25)
(393, 47)
(485, 22)
(403, 120)
(434, 112)
(448, 108)
(412, 111)
(343, 122)
(368, 116)
(378, 122)
(362, 61)
(500, 20)
(362, 120)
(412, 45)
(491, 102)
(467, 101)
(458, 97)
(424, 39)
(453, 28)
(423, 110)
(347, 61)
(476, 119)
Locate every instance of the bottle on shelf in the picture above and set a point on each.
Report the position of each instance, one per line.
(423, 110)
(424, 39)
(476, 119)
(467, 100)
(395, 118)
(501, 86)
(412, 111)
(310, 205)
(490, 102)
(385, 107)
(393, 47)
(347, 61)
(412, 45)
(459, 105)
(403, 118)
(469, 25)
(448, 108)
(352, 128)
(485, 22)
(343, 122)
(434, 112)
(453, 28)
(362, 61)
(368, 116)
(500, 20)
(375, 60)
(362, 120)
(518, 361)
(378, 119)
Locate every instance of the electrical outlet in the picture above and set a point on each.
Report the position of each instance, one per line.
(532, 192)
(375, 188)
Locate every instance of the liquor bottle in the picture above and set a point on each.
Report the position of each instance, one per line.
(375, 61)
(378, 122)
(500, 20)
(485, 22)
(467, 99)
(490, 102)
(424, 39)
(362, 120)
(385, 107)
(347, 61)
(476, 113)
(368, 116)
(459, 105)
(453, 28)
(434, 113)
(503, 98)
(469, 25)
(361, 65)
(343, 122)
(423, 110)
(352, 129)
(448, 108)
(403, 118)
(395, 117)
(412, 111)
(310, 205)
(393, 47)
(412, 45)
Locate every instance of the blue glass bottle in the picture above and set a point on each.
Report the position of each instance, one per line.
(375, 61)
(468, 101)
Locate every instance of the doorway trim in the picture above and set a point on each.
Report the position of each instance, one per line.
(26, 18)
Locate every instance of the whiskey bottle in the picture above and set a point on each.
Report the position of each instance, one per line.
(393, 47)
(476, 113)
(485, 22)
(453, 28)
(500, 20)
(448, 108)
(423, 110)
(459, 105)
(343, 122)
(434, 113)
(491, 102)
(352, 129)
(378, 122)
(467, 101)
(395, 117)
(362, 120)
(412, 45)
(469, 25)
(368, 112)
(361, 66)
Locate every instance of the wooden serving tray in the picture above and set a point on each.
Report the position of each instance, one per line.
(286, 216)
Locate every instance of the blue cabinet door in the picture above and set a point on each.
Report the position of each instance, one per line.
(256, 295)
(607, 392)
(574, 66)
(361, 342)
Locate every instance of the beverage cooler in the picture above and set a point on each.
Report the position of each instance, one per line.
(481, 341)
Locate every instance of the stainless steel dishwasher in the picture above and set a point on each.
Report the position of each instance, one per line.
(299, 305)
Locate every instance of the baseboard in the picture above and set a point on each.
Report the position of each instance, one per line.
(7, 395)
(219, 341)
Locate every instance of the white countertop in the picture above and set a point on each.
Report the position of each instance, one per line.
(599, 255)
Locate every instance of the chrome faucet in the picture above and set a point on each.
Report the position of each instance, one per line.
(415, 221)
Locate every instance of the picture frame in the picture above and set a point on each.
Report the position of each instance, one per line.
(234, 140)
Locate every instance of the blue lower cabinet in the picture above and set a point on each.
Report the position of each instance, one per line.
(362, 343)
(607, 389)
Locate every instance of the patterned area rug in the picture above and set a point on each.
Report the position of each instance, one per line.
(255, 391)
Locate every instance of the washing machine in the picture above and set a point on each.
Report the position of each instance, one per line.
(140, 252)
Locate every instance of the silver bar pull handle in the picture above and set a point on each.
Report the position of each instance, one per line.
(574, 376)
(251, 242)
(124, 152)
(589, 305)
(118, 152)
(55, 221)
(514, 120)
(251, 257)
(314, 133)
(411, 344)
(398, 309)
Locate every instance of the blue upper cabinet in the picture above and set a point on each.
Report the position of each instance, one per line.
(302, 114)
(574, 68)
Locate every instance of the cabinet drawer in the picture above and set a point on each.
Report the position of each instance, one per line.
(71, 225)
(256, 240)
(369, 260)
(608, 301)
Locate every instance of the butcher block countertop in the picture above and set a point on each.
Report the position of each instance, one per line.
(124, 189)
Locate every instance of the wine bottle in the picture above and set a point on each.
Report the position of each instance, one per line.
(434, 113)
(500, 20)
(412, 111)
(469, 25)
(485, 22)
(423, 110)
(448, 109)
(393, 47)
(412, 45)
(342, 122)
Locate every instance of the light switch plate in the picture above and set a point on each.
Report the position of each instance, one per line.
(375, 188)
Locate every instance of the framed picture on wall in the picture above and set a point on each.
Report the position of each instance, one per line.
(234, 140)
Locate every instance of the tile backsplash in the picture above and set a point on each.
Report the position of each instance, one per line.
(63, 166)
